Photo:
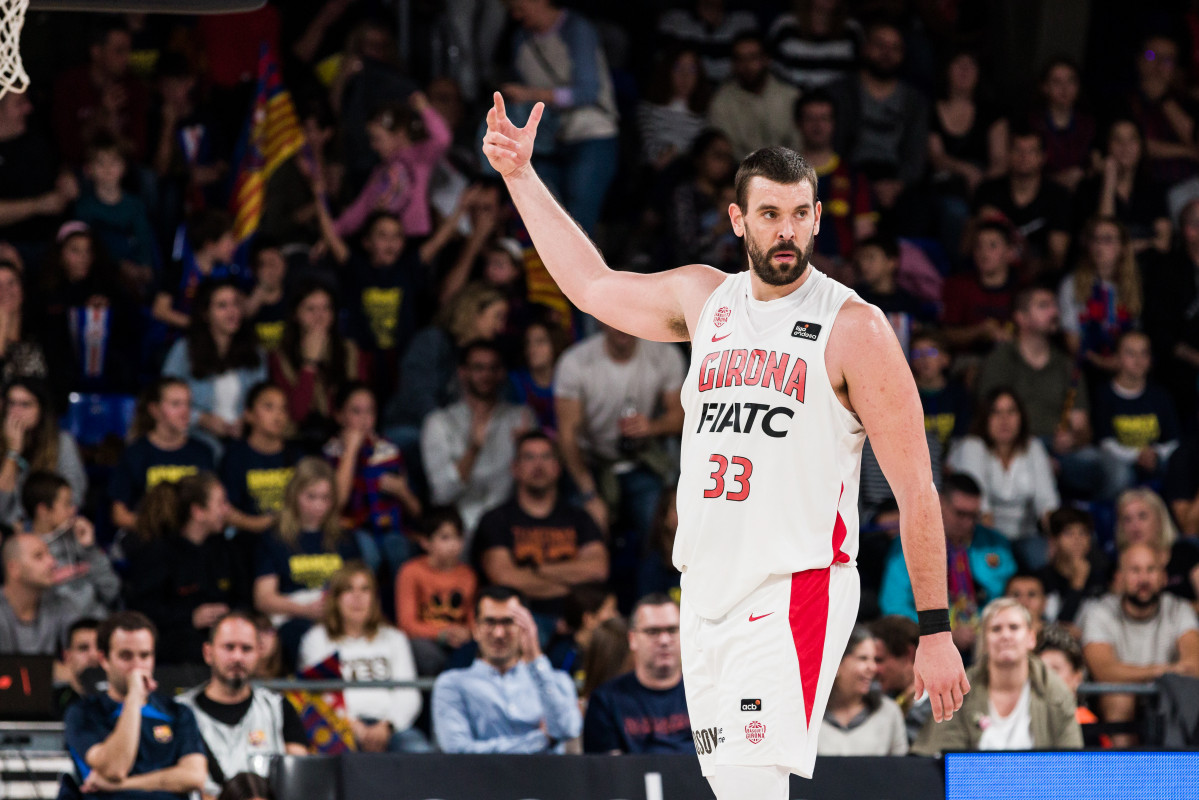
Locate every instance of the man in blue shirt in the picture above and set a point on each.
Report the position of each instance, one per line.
(644, 711)
(511, 700)
(127, 743)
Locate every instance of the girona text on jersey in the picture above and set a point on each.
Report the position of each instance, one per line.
(740, 367)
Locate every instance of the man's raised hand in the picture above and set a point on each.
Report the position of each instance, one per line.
(507, 147)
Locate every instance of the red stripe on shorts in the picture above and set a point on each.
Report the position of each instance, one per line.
(809, 621)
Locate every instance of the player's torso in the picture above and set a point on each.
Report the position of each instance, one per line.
(770, 456)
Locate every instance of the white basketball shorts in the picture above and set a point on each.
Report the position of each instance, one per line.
(758, 679)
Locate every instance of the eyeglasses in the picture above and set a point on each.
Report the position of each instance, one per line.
(654, 633)
(493, 622)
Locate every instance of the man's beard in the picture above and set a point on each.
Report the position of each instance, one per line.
(1143, 605)
(772, 275)
(233, 682)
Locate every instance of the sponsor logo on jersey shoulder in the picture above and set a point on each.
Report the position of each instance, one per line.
(806, 330)
(755, 732)
(751, 705)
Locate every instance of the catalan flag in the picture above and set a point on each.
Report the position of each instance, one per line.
(273, 135)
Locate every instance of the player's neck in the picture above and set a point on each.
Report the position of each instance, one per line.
(765, 292)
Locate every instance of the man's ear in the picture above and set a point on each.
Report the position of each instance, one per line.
(737, 218)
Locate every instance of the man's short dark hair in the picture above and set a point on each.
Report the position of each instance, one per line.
(244, 616)
(1023, 299)
(997, 226)
(123, 621)
(497, 594)
(748, 36)
(651, 599)
(535, 436)
(1023, 575)
(897, 633)
(1021, 129)
(888, 244)
(960, 483)
(586, 598)
(814, 97)
(477, 346)
(41, 488)
(81, 624)
(1065, 517)
(777, 164)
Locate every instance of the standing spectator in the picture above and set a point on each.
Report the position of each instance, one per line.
(243, 727)
(33, 619)
(1125, 191)
(559, 61)
(1067, 130)
(753, 108)
(161, 449)
(368, 649)
(535, 542)
(118, 737)
(33, 441)
(1163, 111)
(468, 447)
(815, 44)
(510, 700)
(673, 112)
(860, 720)
(79, 654)
(644, 711)
(257, 468)
(83, 573)
(532, 384)
(895, 641)
(945, 400)
(1013, 470)
(1016, 702)
(978, 305)
(33, 195)
(435, 593)
(1139, 633)
(1077, 570)
(710, 28)
(1142, 518)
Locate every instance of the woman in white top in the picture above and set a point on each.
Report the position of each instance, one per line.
(369, 650)
(860, 720)
(1011, 466)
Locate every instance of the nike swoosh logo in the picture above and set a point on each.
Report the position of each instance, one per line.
(752, 618)
(716, 338)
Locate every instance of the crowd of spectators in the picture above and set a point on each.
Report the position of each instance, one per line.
(376, 429)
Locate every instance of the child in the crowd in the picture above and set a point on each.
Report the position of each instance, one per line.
(83, 575)
(160, 451)
(257, 469)
(206, 253)
(372, 481)
(1061, 652)
(945, 400)
(1077, 570)
(266, 307)
(877, 261)
(435, 593)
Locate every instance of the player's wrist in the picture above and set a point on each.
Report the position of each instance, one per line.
(933, 621)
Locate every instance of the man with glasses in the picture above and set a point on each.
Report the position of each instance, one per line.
(980, 563)
(510, 700)
(645, 711)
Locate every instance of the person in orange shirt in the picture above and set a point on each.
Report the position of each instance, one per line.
(1062, 653)
(435, 593)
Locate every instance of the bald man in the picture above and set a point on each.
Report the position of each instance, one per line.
(33, 621)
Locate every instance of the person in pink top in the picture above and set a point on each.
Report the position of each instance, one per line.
(410, 140)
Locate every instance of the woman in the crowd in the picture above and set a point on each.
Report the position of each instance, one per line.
(533, 383)
(1101, 298)
(816, 44)
(1124, 190)
(1014, 471)
(1067, 130)
(1015, 702)
(21, 355)
(219, 359)
(368, 649)
(33, 441)
(607, 656)
(860, 720)
(1142, 518)
(673, 112)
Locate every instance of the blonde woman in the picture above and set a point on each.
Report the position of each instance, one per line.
(1142, 518)
(369, 650)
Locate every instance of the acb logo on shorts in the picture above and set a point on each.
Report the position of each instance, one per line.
(751, 705)
(755, 732)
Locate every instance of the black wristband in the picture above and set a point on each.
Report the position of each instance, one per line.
(933, 620)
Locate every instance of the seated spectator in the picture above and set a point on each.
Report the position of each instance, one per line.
(182, 570)
(1067, 130)
(372, 480)
(1015, 702)
(220, 361)
(644, 711)
(1141, 517)
(296, 560)
(1101, 298)
(1138, 633)
(128, 741)
(266, 303)
(435, 593)
(314, 361)
(607, 658)
(536, 542)
(22, 355)
(532, 384)
(1077, 570)
(207, 255)
(978, 306)
(368, 649)
(119, 219)
(657, 573)
(1163, 111)
(1013, 470)
(752, 107)
(34, 193)
(510, 700)
(243, 727)
(860, 720)
(698, 228)
(980, 562)
(1135, 422)
(945, 400)
(33, 619)
(815, 44)
(587, 607)
(1027, 589)
(83, 574)
(673, 112)
(709, 27)
(79, 655)
(895, 641)
(270, 660)
(1060, 651)
(33, 441)
(877, 260)
(1125, 190)
(257, 468)
(469, 446)
(161, 449)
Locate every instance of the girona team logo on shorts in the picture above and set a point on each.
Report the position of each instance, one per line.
(721, 316)
(755, 732)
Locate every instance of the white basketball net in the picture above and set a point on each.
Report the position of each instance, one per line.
(12, 73)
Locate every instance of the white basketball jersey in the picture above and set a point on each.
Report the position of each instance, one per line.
(770, 459)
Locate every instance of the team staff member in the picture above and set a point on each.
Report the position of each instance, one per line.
(127, 743)
(790, 371)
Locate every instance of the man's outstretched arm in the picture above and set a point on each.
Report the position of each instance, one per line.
(661, 307)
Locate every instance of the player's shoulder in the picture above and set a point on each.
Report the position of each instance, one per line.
(859, 322)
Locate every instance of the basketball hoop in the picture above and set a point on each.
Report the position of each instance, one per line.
(12, 19)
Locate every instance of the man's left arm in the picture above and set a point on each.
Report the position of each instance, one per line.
(882, 392)
(1188, 654)
(590, 565)
(187, 775)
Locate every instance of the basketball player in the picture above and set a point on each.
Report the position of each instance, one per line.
(789, 372)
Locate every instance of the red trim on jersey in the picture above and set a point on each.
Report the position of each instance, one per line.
(839, 533)
(808, 614)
